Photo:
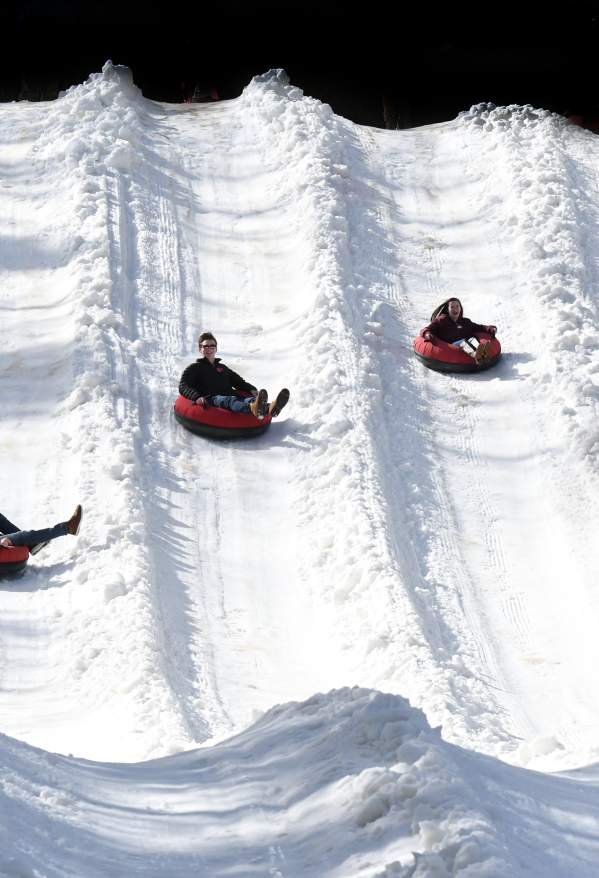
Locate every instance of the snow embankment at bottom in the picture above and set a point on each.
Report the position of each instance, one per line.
(354, 782)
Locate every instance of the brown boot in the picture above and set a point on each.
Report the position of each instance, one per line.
(259, 406)
(279, 403)
(74, 522)
(482, 352)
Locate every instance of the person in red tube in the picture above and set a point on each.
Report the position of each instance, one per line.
(37, 539)
(211, 384)
(449, 324)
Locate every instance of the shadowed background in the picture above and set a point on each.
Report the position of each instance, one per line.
(377, 64)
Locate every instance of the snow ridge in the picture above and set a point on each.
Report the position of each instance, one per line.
(352, 390)
(99, 129)
(355, 573)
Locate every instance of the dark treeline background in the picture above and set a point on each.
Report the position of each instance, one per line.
(377, 63)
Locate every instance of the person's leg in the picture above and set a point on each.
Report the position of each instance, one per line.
(259, 404)
(468, 345)
(232, 403)
(6, 526)
(32, 537)
(482, 350)
(37, 539)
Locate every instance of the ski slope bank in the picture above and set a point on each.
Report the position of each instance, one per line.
(428, 536)
(351, 783)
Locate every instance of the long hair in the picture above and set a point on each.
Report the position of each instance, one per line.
(442, 309)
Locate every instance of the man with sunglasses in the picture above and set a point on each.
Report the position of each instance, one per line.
(209, 383)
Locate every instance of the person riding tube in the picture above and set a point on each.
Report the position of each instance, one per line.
(16, 545)
(454, 343)
(208, 384)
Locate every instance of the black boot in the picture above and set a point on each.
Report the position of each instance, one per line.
(279, 403)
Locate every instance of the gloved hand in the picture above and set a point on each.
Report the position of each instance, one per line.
(200, 401)
(428, 336)
(492, 330)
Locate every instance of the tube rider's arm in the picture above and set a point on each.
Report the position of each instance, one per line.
(240, 383)
(6, 526)
(188, 385)
(428, 333)
(473, 327)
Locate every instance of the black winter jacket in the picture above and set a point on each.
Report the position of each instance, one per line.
(204, 379)
(6, 526)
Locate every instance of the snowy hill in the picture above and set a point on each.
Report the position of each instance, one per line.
(372, 629)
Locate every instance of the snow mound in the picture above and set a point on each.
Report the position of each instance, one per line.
(336, 785)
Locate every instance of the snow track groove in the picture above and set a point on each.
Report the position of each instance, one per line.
(457, 694)
(155, 314)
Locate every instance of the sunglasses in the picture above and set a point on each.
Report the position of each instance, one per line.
(208, 346)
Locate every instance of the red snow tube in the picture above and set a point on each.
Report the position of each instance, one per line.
(13, 560)
(445, 357)
(218, 423)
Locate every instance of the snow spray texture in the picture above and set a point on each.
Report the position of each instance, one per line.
(548, 213)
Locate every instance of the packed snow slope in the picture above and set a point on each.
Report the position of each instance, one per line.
(418, 546)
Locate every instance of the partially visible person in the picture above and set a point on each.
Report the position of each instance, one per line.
(186, 90)
(211, 384)
(587, 118)
(204, 94)
(449, 324)
(37, 539)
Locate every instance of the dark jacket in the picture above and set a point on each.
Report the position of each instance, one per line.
(6, 526)
(443, 327)
(204, 379)
(453, 330)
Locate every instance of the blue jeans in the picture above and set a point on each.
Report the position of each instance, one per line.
(233, 403)
(30, 537)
